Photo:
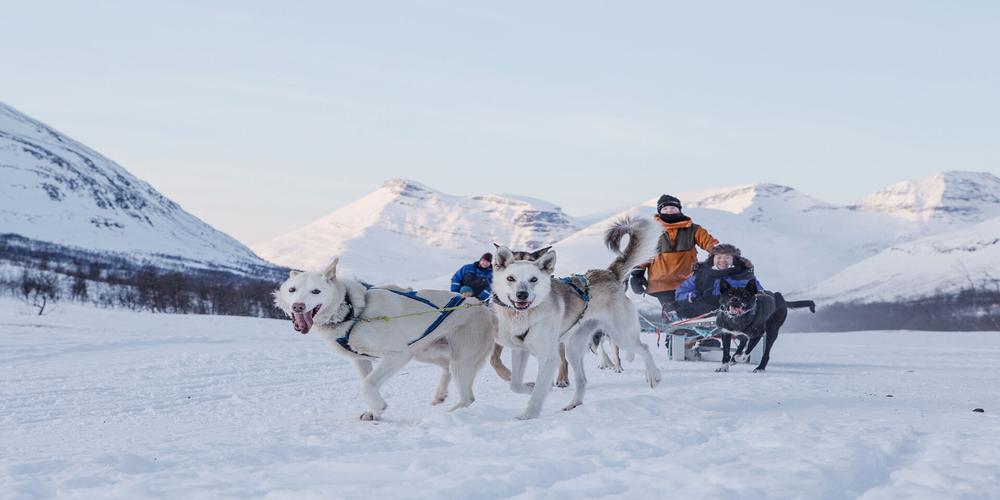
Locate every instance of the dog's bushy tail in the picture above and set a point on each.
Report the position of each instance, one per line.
(799, 304)
(637, 231)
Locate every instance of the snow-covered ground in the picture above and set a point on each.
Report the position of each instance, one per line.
(97, 404)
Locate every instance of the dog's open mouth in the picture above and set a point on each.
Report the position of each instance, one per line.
(303, 321)
(735, 310)
(521, 305)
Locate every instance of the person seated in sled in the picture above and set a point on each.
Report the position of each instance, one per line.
(473, 280)
(699, 293)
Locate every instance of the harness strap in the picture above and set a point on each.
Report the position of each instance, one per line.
(583, 293)
(411, 295)
(345, 340)
(455, 301)
(496, 300)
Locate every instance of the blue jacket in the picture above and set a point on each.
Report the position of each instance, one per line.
(474, 277)
(696, 286)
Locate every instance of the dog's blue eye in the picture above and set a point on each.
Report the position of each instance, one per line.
(315, 292)
(534, 280)
(291, 290)
(510, 278)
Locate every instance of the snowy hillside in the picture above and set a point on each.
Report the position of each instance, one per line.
(113, 404)
(946, 198)
(406, 232)
(946, 263)
(54, 189)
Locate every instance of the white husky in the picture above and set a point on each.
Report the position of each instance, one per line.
(536, 312)
(388, 323)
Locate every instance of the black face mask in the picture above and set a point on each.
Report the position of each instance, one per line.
(672, 218)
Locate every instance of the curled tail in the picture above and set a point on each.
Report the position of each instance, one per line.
(637, 232)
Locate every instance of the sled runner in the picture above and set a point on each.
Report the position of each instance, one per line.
(692, 339)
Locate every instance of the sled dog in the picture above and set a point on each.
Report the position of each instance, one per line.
(536, 311)
(757, 313)
(391, 326)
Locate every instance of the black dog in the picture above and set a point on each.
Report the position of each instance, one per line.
(757, 313)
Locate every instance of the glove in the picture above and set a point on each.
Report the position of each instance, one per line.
(638, 281)
(691, 298)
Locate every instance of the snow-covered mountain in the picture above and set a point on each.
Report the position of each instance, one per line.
(945, 198)
(406, 232)
(942, 264)
(56, 190)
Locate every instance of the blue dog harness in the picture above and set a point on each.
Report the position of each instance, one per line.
(445, 311)
(584, 293)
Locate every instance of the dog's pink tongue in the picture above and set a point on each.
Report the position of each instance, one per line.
(302, 322)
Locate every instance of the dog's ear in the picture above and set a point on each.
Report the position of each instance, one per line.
(547, 262)
(752, 286)
(330, 272)
(293, 273)
(537, 254)
(503, 257)
(724, 285)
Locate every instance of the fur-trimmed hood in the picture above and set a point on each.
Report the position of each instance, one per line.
(741, 264)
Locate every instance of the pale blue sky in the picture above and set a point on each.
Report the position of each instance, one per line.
(261, 117)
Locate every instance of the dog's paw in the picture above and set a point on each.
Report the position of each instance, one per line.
(654, 380)
(758, 370)
(527, 416)
(741, 358)
(439, 399)
(722, 369)
(571, 406)
(603, 366)
(461, 404)
(562, 383)
(368, 416)
(617, 369)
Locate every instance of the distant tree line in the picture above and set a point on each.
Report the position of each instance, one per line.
(970, 309)
(52, 273)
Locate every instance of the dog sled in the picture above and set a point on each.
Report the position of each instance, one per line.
(692, 339)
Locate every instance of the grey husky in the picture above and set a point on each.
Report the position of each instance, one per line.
(536, 312)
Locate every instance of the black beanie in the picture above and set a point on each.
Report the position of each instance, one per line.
(488, 256)
(667, 201)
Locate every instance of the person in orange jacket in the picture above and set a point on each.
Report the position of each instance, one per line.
(675, 258)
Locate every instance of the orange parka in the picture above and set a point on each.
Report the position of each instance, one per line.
(676, 254)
